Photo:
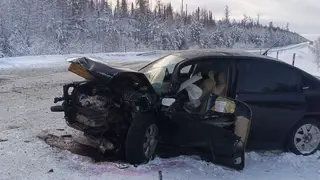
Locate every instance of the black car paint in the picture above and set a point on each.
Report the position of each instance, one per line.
(274, 114)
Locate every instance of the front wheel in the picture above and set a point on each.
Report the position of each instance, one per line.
(142, 139)
(304, 139)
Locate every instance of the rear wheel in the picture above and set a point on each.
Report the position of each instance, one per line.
(304, 139)
(142, 139)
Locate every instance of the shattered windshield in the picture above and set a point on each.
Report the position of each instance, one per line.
(159, 69)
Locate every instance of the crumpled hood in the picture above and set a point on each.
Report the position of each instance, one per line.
(96, 68)
(91, 69)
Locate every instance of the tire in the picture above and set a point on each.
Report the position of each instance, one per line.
(141, 125)
(305, 134)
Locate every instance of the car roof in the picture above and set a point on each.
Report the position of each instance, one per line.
(198, 53)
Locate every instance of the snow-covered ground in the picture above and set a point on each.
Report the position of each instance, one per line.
(304, 59)
(27, 88)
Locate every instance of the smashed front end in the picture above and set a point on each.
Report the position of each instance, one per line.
(104, 105)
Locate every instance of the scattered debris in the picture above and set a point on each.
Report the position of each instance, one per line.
(17, 91)
(3, 140)
(122, 165)
(160, 175)
(66, 136)
(13, 127)
(60, 129)
(26, 141)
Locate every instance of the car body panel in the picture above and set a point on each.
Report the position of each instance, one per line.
(275, 110)
(273, 117)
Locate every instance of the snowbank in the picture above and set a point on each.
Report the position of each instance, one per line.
(47, 61)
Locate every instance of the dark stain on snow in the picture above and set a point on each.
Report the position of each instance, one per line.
(3, 140)
(65, 142)
(13, 127)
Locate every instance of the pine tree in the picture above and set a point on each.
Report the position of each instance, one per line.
(244, 20)
(158, 6)
(124, 9)
(132, 10)
(169, 13)
(62, 8)
(102, 5)
(142, 6)
(91, 6)
(270, 25)
(227, 15)
(198, 14)
(117, 10)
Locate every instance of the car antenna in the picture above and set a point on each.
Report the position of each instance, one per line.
(266, 52)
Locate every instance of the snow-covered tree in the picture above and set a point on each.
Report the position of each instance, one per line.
(124, 9)
(35, 27)
(315, 48)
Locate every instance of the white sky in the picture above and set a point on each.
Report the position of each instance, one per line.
(302, 15)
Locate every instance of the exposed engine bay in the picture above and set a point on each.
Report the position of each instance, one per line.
(104, 114)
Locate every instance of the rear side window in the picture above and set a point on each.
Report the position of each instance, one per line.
(259, 76)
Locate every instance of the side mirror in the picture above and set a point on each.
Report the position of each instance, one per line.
(168, 101)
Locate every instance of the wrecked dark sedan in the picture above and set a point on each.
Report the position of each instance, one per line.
(215, 103)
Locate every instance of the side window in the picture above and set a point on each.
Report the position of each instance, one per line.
(309, 83)
(185, 70)
(268, 77)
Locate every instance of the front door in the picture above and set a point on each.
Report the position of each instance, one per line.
(188, 130)
(274, 93)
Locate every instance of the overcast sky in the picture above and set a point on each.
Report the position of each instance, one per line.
(302, 15)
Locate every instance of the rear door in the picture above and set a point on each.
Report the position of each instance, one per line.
(273, 90)
(311, 88)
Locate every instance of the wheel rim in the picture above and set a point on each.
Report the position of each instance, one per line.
(150, 141)
(307, 138)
